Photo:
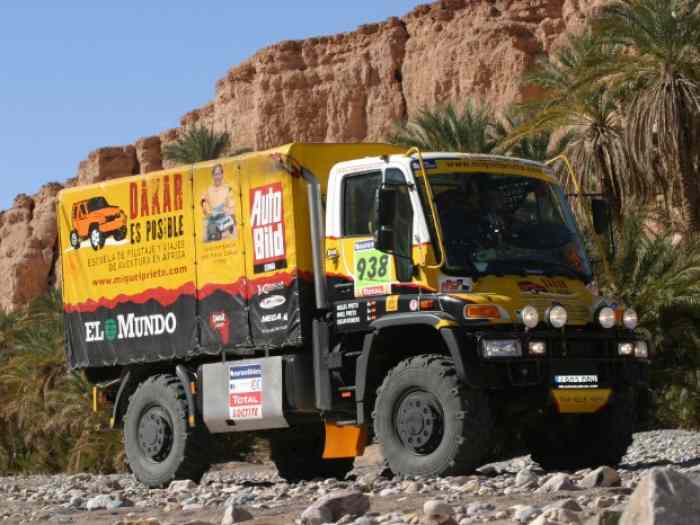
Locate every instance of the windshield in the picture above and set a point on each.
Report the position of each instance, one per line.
(96, 203)
(506, 224)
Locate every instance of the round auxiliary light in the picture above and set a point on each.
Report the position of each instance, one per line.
(529, 316)
(606, 317)
(557, 316)
(630, 319)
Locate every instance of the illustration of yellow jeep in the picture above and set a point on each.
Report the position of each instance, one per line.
(95, 219)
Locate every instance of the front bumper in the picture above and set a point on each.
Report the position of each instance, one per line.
(569, 353)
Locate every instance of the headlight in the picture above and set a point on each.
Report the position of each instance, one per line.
(529, 316)
(641, 350)
(502, 348)
(630, 319)
(556, 316)
(537, 347)
(606, 317)
(625, 348)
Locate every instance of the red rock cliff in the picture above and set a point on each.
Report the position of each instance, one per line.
(347, 87)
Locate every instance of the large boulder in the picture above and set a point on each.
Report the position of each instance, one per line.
(663, 497)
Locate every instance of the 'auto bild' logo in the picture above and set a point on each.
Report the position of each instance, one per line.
(267, 223)
(130, 326)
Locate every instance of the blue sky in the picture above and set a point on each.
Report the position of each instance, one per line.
(80, 76)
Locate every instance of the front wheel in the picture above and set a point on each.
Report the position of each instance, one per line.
(97, 239)
(576, 441)
(428, 423)
(298, 455)
(160, 446)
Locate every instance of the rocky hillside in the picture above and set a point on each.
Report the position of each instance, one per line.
(347, 87)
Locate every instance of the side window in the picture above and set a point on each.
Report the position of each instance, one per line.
(358, 200)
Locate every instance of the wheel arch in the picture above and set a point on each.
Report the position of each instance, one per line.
(414, 333)
(132, 377)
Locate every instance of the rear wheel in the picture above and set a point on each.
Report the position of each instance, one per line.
(428, 423)
(298, 455)
(576, 441)
(120, 234)
(160, 446)
(74, 239)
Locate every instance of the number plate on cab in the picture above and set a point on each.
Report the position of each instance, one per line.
(576, 381)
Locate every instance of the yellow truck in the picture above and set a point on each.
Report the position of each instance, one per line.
(328, 295)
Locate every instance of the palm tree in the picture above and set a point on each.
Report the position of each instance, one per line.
(443, 129)
(657, 272)
(591, 118)
(196, 144)
(538, 146)
(45, 418)
(653, 270)
(658, 62)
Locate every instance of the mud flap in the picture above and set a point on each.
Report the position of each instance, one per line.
(243, 395)
(347, 441)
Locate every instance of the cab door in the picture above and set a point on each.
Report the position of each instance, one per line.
(361, 276)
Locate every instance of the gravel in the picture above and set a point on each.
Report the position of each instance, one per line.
(514, 491)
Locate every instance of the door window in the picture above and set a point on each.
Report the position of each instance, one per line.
(359, 192)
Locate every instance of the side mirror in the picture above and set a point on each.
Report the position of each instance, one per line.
(386, 204)
(394, 227)
(601, 215)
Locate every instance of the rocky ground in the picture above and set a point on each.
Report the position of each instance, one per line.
(514, 491)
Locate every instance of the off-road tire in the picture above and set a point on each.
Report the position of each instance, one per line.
(572, 442)
(464, 442)
(120, 234)
(97, 238)
(297, 454)
(74, 239)
(185, 454)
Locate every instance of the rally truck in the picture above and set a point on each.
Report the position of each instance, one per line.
(429, 302)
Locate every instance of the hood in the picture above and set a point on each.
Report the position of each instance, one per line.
(512, 293)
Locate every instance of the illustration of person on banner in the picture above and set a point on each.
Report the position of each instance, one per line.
(217, 205)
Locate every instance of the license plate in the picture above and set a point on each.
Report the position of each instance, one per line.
(576, 380)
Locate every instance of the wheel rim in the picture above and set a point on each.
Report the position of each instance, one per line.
(419, 422)
(95, 237)
(155, 434)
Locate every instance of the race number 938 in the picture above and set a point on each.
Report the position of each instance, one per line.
(373, 267)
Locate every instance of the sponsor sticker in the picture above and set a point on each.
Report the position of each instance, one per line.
(219, 322)
(361, 246)
(268, 303)
(392, 303)
(245, 391)
(456, 284)
(266, 288)
(413, 305)
(130, 326)
(267, 223)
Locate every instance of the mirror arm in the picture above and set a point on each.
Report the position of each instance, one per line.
(429, 195)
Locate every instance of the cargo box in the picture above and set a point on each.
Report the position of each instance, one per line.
(193, 260)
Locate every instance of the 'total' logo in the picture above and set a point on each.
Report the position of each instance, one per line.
(267, 222)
